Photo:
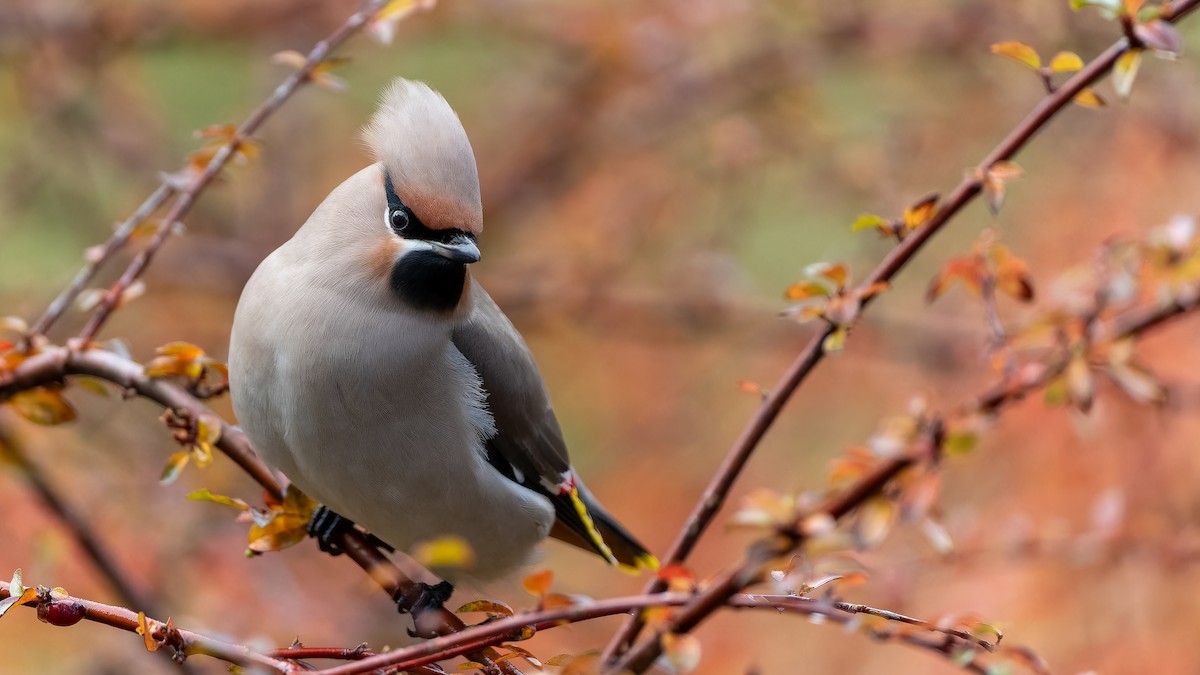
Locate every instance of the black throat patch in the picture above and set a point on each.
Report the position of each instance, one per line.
(424, 279)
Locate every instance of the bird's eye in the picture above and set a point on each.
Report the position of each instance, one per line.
(399, 220)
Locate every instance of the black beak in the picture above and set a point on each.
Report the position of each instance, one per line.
(460, 250)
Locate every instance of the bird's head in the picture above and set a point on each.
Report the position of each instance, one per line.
(431, 187)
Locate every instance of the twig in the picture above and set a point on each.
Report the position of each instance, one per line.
(184, 641)
(84, 276)
(718, 489)
(1130, 322)
(55, 363)
(499, 630)
(187, 196)
(80, 531)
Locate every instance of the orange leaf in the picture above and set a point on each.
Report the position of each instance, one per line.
(968, 270)
(804, 290)
(918, 214)
(146, 630)
(538, 584)
(678, 577)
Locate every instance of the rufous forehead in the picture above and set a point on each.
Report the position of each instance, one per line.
(439, 212)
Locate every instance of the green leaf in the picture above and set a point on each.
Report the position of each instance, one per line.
(960, 443)
(869, 221)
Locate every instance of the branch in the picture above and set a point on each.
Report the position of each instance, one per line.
(53, 364)
(188, 195)
(718, 489)
(511, 628)
(83, 534)
(84, 276)
(762, 553)
(184, 642)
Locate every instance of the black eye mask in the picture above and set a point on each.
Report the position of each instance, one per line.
(405, 223)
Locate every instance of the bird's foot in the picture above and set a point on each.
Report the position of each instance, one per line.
(325, 526)
(421, 596)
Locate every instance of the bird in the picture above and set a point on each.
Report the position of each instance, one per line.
(370, 367)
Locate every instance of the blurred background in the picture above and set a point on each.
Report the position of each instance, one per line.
(654, 175)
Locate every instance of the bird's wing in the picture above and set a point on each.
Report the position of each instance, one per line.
(528, 446)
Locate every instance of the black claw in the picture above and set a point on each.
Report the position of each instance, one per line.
(325, 526)
(421, 596)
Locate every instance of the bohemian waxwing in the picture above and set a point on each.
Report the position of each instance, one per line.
(372, 369)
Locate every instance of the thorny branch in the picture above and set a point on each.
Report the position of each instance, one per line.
(189, 194)
(163, 634)
(55, 364)
(812, 354)
(11, 451)
(1133, 321)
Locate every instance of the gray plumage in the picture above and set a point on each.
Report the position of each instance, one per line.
(414, 423)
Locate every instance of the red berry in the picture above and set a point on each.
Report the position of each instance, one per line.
(61, 612)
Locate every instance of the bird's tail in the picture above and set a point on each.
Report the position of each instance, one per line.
(591, 527)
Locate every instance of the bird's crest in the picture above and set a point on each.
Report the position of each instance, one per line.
(422, 145)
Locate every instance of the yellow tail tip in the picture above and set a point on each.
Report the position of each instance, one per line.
(642, 562)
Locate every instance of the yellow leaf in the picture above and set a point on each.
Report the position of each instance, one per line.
(174, 466)
(493, 607)
(446, 551)
(1066, 62)
(682, 652)
(202, 454)
(280, 532)
(92, 384)
(835, 272)
(42, 405)
(835, 341)
(146, 630)
(1019, 52)
(1125, 71)
(207, 496)
(538, 584)
(1088, 98)
(383, 26)
(875, 520)
(871, 221)
(182, 350)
